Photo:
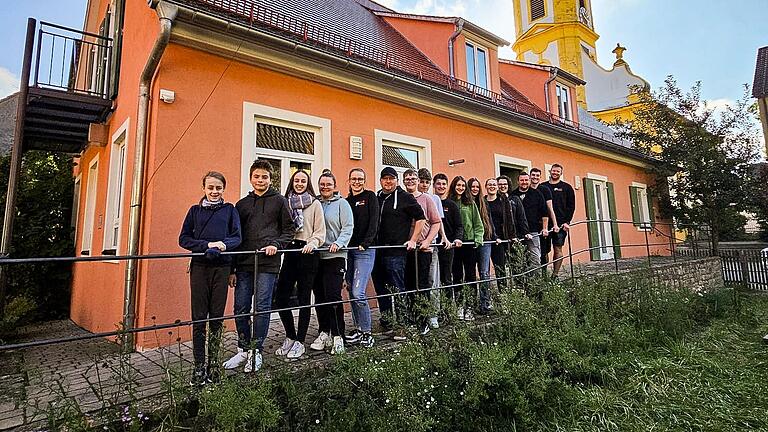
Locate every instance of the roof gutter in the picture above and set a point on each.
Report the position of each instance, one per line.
(552, 76)
(459, 29)
(167, 14)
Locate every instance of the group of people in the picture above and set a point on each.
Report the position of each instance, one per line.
(406, 240)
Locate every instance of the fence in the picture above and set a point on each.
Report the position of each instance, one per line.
(149, 367)
(72, 60)
(745, 267)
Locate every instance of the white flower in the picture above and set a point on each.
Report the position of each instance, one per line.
(317, 421)
(461, 394)
(386, 401)
(361, 380)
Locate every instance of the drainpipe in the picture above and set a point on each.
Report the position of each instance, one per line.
(552, 76)
(167, 14)
(459, 29)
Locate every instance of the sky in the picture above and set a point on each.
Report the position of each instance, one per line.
(712, 41)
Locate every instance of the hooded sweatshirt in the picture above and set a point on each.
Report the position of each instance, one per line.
(398, 210)
(339, 225)
(265, 221)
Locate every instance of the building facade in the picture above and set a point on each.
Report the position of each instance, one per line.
(349, 84)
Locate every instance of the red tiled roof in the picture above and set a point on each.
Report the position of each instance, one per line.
(760, 85)
(350, 27)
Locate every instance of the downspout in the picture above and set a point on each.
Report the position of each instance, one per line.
(459, 29)
(167, 14)
(552, 77)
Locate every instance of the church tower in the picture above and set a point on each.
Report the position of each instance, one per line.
(561, 33)
(557, 33)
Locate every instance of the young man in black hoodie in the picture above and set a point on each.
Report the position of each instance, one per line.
(266, 226)
(399, 211)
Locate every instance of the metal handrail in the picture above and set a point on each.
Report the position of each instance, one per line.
(185, 323)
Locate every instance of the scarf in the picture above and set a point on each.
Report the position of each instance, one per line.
(296, 204)
(213, 205)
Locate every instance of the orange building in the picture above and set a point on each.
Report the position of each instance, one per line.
(198, 85)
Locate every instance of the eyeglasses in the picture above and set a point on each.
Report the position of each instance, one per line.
(357, 179)
(410, 179)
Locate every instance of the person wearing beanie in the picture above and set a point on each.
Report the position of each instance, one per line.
(398, 213)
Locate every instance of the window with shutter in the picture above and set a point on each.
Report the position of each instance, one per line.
(538, 9)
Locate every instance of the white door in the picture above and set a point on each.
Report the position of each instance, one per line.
(603, 213)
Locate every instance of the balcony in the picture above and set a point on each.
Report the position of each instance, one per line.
(69, 87)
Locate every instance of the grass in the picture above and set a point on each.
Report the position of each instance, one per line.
(715, 378)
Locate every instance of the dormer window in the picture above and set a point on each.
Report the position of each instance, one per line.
(477, 65)
(563, 102)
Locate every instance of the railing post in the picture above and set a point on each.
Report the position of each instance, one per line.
(615, 257)
(744, 261)
(647, 248)
(570, 259)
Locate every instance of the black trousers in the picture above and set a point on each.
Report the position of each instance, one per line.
(297, 273)
(327, 288)
(208, 286)
(445, 260)
(499, 260)
(464, 271)
(417, 276)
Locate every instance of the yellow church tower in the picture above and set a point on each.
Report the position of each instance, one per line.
(561, 33)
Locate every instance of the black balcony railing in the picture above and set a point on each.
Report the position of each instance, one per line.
(72, 60)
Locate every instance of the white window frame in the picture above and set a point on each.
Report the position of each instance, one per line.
(563, 107)
(76, 201)
(500, 159)
(116, 189)
(89, 218)
(421, 145)
(253, 114)
(642, 202)
(475, 47)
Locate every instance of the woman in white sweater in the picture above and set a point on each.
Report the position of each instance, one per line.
(299, 268)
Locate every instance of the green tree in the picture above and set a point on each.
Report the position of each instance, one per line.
(707, 154)
(42, 229)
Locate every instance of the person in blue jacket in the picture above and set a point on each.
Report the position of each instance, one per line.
(212, 226)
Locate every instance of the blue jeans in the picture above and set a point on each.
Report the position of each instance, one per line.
(244, 301)
(484, 268)
(388, 278)
(359, 268)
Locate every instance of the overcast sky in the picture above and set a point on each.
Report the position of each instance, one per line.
(713, 41)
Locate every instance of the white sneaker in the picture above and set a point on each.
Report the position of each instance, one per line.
(236, 360)
(460, 313)
(253, 363)
(283, 350)
(321, 342)
(297, 350)
(468, 315)
(338, 345)
(433, 323)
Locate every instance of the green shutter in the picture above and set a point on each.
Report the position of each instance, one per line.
(651, 213)
(614, 225)
(589, 205)
(637, 218)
